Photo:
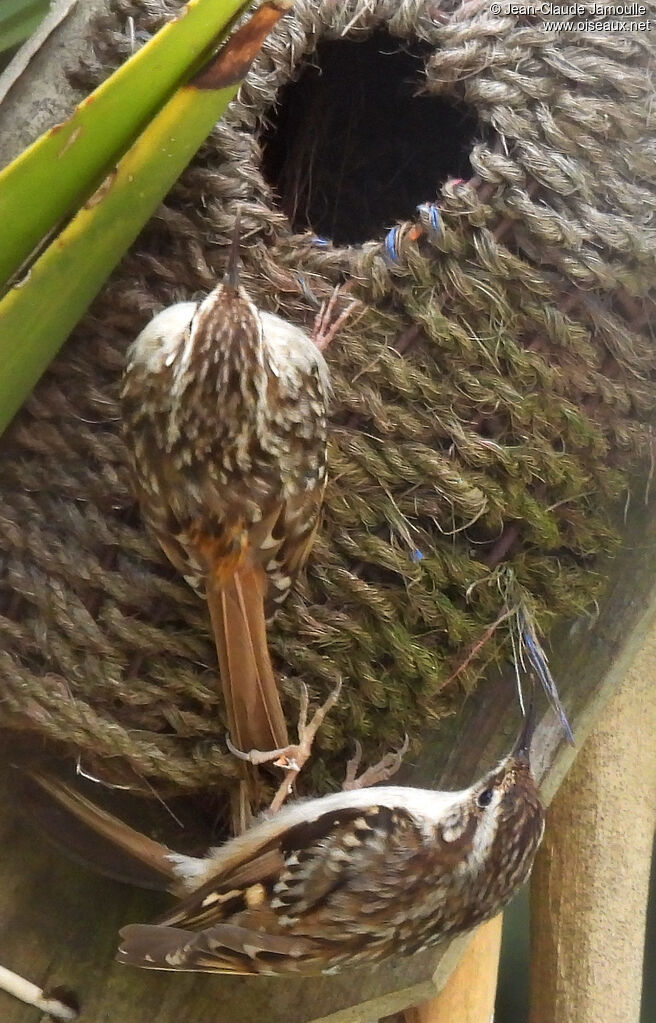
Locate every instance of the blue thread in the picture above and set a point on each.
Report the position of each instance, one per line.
(391, 245)
(417, 556)
(321, 242)
(433, 213)
(539, 662)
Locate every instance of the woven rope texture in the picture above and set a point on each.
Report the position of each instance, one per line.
(490, 398)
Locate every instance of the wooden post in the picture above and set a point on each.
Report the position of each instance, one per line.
(590, 884)
(469, 993)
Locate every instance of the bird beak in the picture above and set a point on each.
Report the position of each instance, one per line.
(522, 748)
(231, 277)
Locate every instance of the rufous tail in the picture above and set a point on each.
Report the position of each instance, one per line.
(255, 716)
(120, 835)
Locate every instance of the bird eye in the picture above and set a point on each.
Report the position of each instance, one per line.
(485, 798)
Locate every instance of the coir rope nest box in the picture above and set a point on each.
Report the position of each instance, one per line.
(488, 400)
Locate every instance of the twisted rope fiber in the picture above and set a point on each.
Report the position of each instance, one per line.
(500, 436)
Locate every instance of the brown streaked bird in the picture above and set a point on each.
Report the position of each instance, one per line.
(351, 878)
(224, 410)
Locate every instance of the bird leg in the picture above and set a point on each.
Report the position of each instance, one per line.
(381, 771)
(324, 330)
(293, 757)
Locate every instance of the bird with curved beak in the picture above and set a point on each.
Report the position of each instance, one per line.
(224, 410)
(352, 878)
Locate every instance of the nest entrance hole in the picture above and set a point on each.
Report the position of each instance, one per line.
(352, 148)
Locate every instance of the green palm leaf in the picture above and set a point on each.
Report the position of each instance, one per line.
(38, 312)
(66, 164)
(18, 19)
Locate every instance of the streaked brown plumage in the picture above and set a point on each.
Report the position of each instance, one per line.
(351, 878)
(224, 409)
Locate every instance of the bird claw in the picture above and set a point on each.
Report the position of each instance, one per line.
(325, 328)
(257, 757)
(384, 769)
(291, 758)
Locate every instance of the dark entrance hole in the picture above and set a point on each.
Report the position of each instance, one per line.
(351, 148)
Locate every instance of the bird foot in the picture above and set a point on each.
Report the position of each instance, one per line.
(291, 758)
(384, 769)
(325, 327)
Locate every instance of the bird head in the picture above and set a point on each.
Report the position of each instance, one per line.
(509, 816)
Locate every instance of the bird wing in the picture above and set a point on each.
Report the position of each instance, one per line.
(235, 890)
(282, 541)
(320, 892)
(224, 948)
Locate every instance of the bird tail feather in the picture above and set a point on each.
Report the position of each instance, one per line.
(255, 715)
(139, 847)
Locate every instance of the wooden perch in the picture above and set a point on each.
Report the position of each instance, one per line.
(591, 881)
(469, 993)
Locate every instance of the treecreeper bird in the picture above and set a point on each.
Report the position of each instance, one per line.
(224, 410)
(351, 878)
